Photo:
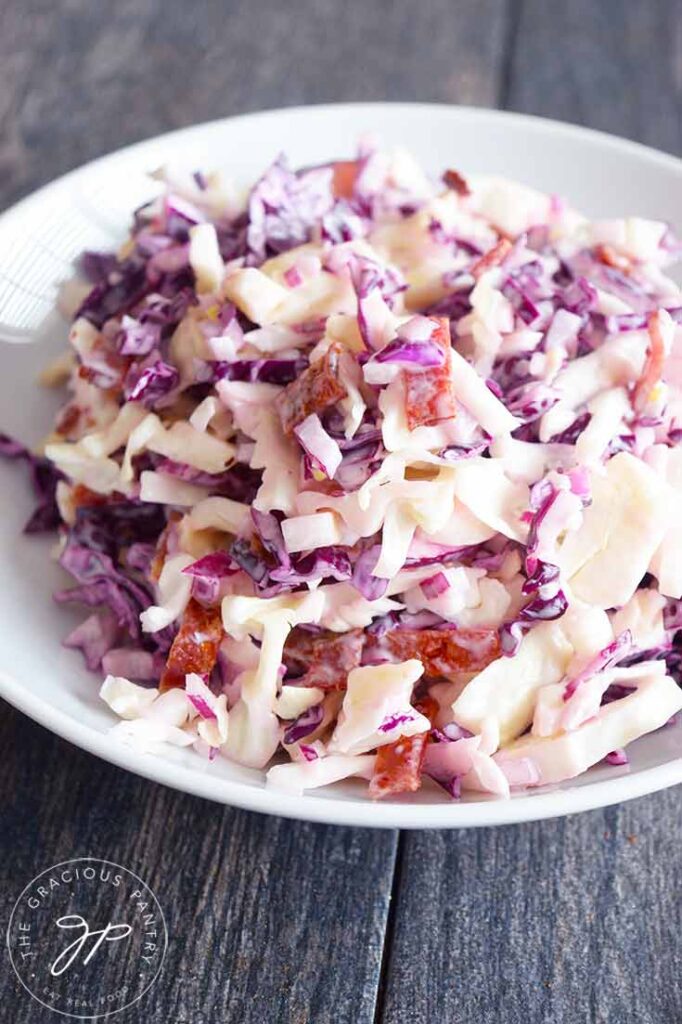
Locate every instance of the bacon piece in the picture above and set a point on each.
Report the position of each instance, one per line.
(315, 390)
(398, 766)
(444, 651)
(80, 496)
(195, 648)
(607, 254)
(429, 397)
(345, 174)
(162, 547)
(83, 497)
(455, 181)
(653, 366)
(327, 657)
(105, 368)
(68, 421)
(493, 258)
(73, 421)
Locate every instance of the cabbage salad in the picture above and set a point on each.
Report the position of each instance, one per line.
(366, 474)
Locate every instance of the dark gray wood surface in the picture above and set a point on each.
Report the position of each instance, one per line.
(273, 921)
(576, 920)
(615, 65)
(268, 920)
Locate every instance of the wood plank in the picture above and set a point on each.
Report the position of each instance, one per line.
(575, 921)
(268, 919)
(77, 81)
(614, 65)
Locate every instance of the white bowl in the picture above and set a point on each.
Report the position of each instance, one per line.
(90, 207)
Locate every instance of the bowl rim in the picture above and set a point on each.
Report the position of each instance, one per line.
(524, 807)
(535, 122)
(479, 812)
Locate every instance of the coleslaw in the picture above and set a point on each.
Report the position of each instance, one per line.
(363, 474)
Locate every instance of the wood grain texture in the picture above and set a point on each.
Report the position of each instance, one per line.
(269, 920)
(79, 79)
(614, 65)
(575, 921)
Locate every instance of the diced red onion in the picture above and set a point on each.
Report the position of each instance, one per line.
(435, 585)
(201, 707)
(293, 277)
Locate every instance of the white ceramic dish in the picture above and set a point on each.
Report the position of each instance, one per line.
(90, 208)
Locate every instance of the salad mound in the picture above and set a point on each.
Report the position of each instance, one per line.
(366, 474)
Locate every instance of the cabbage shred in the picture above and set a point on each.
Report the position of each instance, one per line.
(378, 474)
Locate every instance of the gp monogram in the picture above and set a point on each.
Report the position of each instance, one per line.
(87, 938)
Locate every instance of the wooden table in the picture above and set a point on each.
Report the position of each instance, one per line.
(271, 921)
